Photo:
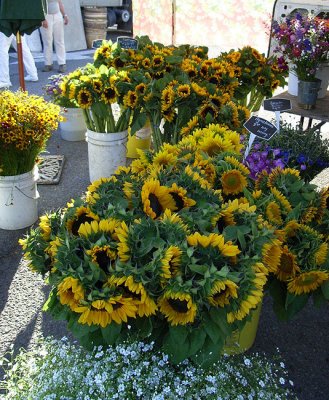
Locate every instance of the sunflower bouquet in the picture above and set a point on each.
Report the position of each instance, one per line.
(95, 91)
(299, 266)
(26, 124)
(54, 92)
(258, 75)
(167, 250)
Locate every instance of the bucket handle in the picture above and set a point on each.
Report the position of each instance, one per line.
(11, 196)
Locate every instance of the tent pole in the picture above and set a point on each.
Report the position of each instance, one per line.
(20, 61)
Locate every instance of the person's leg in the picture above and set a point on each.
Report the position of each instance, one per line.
(47, 38)
(29, 64)
(59, 41)
(5, 42)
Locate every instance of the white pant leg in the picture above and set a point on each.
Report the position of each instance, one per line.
(28, 59)
(59, 38)
(47, 38)
(5, 42)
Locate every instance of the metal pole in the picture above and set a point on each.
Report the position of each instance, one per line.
(20, 61)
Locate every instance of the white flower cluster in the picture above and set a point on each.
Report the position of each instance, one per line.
(59, 370)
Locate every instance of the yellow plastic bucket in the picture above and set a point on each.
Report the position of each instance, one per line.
(241, 341)
(141, 140)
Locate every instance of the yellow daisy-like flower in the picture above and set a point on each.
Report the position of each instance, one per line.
(178, 308)
(70, 292)
(307, 282)
(213, 240)
(167, 98)
(273, 213)
(156, 198)
(130, 99)
(109, 95)
(233, 182)
(187, 130)
(271, 253)
(170, 262)
(287, 267)
(103, 256)
(221, 292)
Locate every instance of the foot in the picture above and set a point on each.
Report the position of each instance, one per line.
(62, 68)
(47, 68)
(30, 78)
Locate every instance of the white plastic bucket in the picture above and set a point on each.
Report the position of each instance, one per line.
(106, 152)
(19, 200)
(292, 83)
(74, 128)
(323, 75)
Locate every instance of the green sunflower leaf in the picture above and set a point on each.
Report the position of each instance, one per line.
(176, 344)
(325, 289)
(218, 316)
(211, 329)
(196, 340)
(111, 332)
(295, 303)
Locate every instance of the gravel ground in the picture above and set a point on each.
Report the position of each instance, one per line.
(303, 342)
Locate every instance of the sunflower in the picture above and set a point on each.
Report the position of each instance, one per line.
(208, 108)
(273, 213)
(167, 98)
(321, 254)
(84, 99)
(163, 157)
(227, 249)
(70, 292)
(178, 307)
(307, 282)
(233, 182)
(45, 227)
(82, 215)
(97, 313)
(287, 266)
(109, 95)
(137, 292)
(130, 99)
(170, 262)
(123, 249)
(103, 256)
(180, 198)
(271, 255)
(156, 198)
(183, 91)
(221, 292)
(188, 128)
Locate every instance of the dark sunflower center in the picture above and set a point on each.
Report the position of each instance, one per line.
(179, 306)
(221, 224)
(103, 260)
(77, 222)
(286, 264)
(116, 306)
(178, 200)
(155, 205)
(217, 296)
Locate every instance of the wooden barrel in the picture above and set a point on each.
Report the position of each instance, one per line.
(95, 24)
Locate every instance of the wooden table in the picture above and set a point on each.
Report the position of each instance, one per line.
(319, 113)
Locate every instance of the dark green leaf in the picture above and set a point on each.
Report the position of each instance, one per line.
(111, 332)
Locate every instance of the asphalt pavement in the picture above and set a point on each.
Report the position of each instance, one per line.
(303, 342)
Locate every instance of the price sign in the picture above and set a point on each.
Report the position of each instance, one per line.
(260, 127)
(97, 43)
(277, 104)
(126, 42)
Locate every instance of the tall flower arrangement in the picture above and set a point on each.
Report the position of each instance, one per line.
(167, 249)
(55, 93)
(27, 122)
(303, 40)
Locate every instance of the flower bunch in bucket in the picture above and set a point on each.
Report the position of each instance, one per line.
(27, 122)
(299, 266)
(302, 39)
(168, 250)
(95, 90)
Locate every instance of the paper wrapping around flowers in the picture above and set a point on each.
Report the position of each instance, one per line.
(220, 25)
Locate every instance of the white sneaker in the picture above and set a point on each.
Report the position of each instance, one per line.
(30, 78)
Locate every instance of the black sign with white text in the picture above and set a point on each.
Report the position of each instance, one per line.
(126, 42)
(277, 104)
(260, 127)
